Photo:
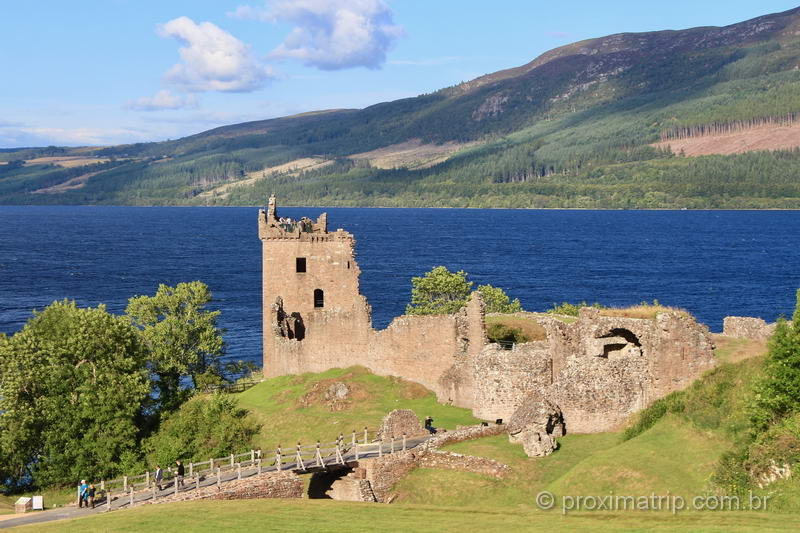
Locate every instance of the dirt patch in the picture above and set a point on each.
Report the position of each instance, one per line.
(292, 168)
(768, 137)
(66, 161)
(336, 394)
(411, 154)
(733, 349)
(640, 311)
(69, 185)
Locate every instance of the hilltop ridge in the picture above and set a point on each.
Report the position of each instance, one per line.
(578, 126)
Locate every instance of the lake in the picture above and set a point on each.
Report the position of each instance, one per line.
(712, 263)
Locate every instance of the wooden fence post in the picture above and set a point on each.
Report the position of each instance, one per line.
(147, 478)
(380, 448)
(259, 467)
(191, 469)
(318, 456)
(102, 484)
(392, 448)
(108, 500)
(252, 456)
(232, 460)
(131, 497)
(354, 438)
(197, 482)
(125, 483)
(219, 482)
(356, 448)
(176, 484)
(365, 434)
(238, 470)
(211, 464)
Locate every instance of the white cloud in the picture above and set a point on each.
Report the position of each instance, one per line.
(212, 59)
(331, 34)
(43, 136)
(162, 100)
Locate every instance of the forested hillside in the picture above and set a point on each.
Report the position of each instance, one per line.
(573, 128)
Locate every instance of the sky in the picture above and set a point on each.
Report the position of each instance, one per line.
(100, 72)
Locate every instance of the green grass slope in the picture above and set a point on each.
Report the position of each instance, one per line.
(326, 516)
(292, 408)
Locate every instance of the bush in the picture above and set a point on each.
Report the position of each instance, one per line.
(566, 308)
(204, 427)
(500, 333)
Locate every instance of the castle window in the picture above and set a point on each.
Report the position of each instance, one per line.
(300, 264)
(319, 298)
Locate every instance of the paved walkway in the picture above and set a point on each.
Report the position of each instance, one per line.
(120, 501)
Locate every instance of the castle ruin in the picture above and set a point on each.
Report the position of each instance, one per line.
(596, 369)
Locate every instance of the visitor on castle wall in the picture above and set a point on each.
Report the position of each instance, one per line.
(83, 494)
(159, 476)
(429, 425)
(179, 476)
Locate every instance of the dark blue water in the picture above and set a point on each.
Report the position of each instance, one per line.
(713, 263)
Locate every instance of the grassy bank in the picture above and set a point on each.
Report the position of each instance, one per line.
(327, 516)
(301, 407)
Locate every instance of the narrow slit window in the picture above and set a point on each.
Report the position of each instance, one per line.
(300, 263)
(319, 298)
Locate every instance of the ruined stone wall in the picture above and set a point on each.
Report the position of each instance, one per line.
(463, 463)
(384, 472)
(597, 369)
(747, 327)
(266, 485)
(503, 377)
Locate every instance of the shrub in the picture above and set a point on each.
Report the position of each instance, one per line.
(206, 426)
(566, 308)
(500, 333)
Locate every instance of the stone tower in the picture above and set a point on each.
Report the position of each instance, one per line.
(310, 284)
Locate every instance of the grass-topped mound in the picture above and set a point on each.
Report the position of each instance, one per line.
(308, 407)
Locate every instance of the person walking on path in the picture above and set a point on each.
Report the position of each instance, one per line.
(90, 493)
(179, 476)
(159, 477)
(83, 495)
(429, 425)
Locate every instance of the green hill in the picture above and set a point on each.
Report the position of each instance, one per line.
(573, 128)
(299, 407)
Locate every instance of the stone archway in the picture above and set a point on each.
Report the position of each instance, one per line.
(618, 342)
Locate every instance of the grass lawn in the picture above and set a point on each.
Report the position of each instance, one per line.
(329, 516)
(52, 498)
(292, 408)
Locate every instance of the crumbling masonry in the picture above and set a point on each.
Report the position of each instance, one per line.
(596, 369)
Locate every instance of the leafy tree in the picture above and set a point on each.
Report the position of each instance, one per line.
(497, 301)
(439, 292)
(205, 426)
(181, 339)
(778, 395)
(72, 384)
